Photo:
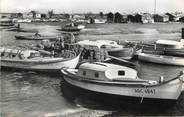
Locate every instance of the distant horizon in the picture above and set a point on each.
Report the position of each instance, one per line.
(94, 6)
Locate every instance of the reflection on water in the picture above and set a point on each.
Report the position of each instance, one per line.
(30, 94)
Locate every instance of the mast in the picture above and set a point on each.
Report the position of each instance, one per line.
(155, 7)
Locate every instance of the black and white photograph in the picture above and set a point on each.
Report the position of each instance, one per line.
(91, 58)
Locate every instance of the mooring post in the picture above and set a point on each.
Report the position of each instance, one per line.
(182, 33)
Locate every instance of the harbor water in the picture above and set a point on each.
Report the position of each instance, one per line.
(32, 94)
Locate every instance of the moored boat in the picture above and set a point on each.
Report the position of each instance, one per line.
(121, 81)
(72, 27)
(164, 47)
(35, 37)
(6, 22)
(161, 59)
(32, 60)
(111, 47)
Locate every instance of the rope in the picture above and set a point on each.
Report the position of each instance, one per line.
(142, 96)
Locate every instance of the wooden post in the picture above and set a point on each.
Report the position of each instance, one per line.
(182, 33)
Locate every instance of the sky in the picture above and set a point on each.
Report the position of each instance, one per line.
(95, 6)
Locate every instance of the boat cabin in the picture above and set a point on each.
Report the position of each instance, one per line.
(70, 25)
(92, 51)
(18, 54)
(169, 44)
(101, 44)
(106, 71)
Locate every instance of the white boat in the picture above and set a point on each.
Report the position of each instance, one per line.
(112, 48)
(32, 60)
(72, 27)
(100, 21)
(161, 59)
(123, 81)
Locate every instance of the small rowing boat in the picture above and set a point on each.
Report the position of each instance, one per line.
(35, 37)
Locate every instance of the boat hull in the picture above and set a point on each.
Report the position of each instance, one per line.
(49, 65)
(7, 24)
(124, 53)
(69, 29)
(168, 91)
(161, 59)
(34, 38)
(174, 52)
(72, 91)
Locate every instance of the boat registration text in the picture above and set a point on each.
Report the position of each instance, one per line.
(145, 91)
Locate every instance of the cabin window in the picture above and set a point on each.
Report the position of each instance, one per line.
(103, 46)
(84, 73)
(96, 74)
(121, 73)
(13, 55)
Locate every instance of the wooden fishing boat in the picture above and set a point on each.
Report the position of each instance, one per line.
(35, 37)
(72, 27)
(32, 60)
(123, 81)
(111, 47)
(161, 59)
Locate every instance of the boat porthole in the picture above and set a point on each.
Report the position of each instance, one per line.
(84, 73)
